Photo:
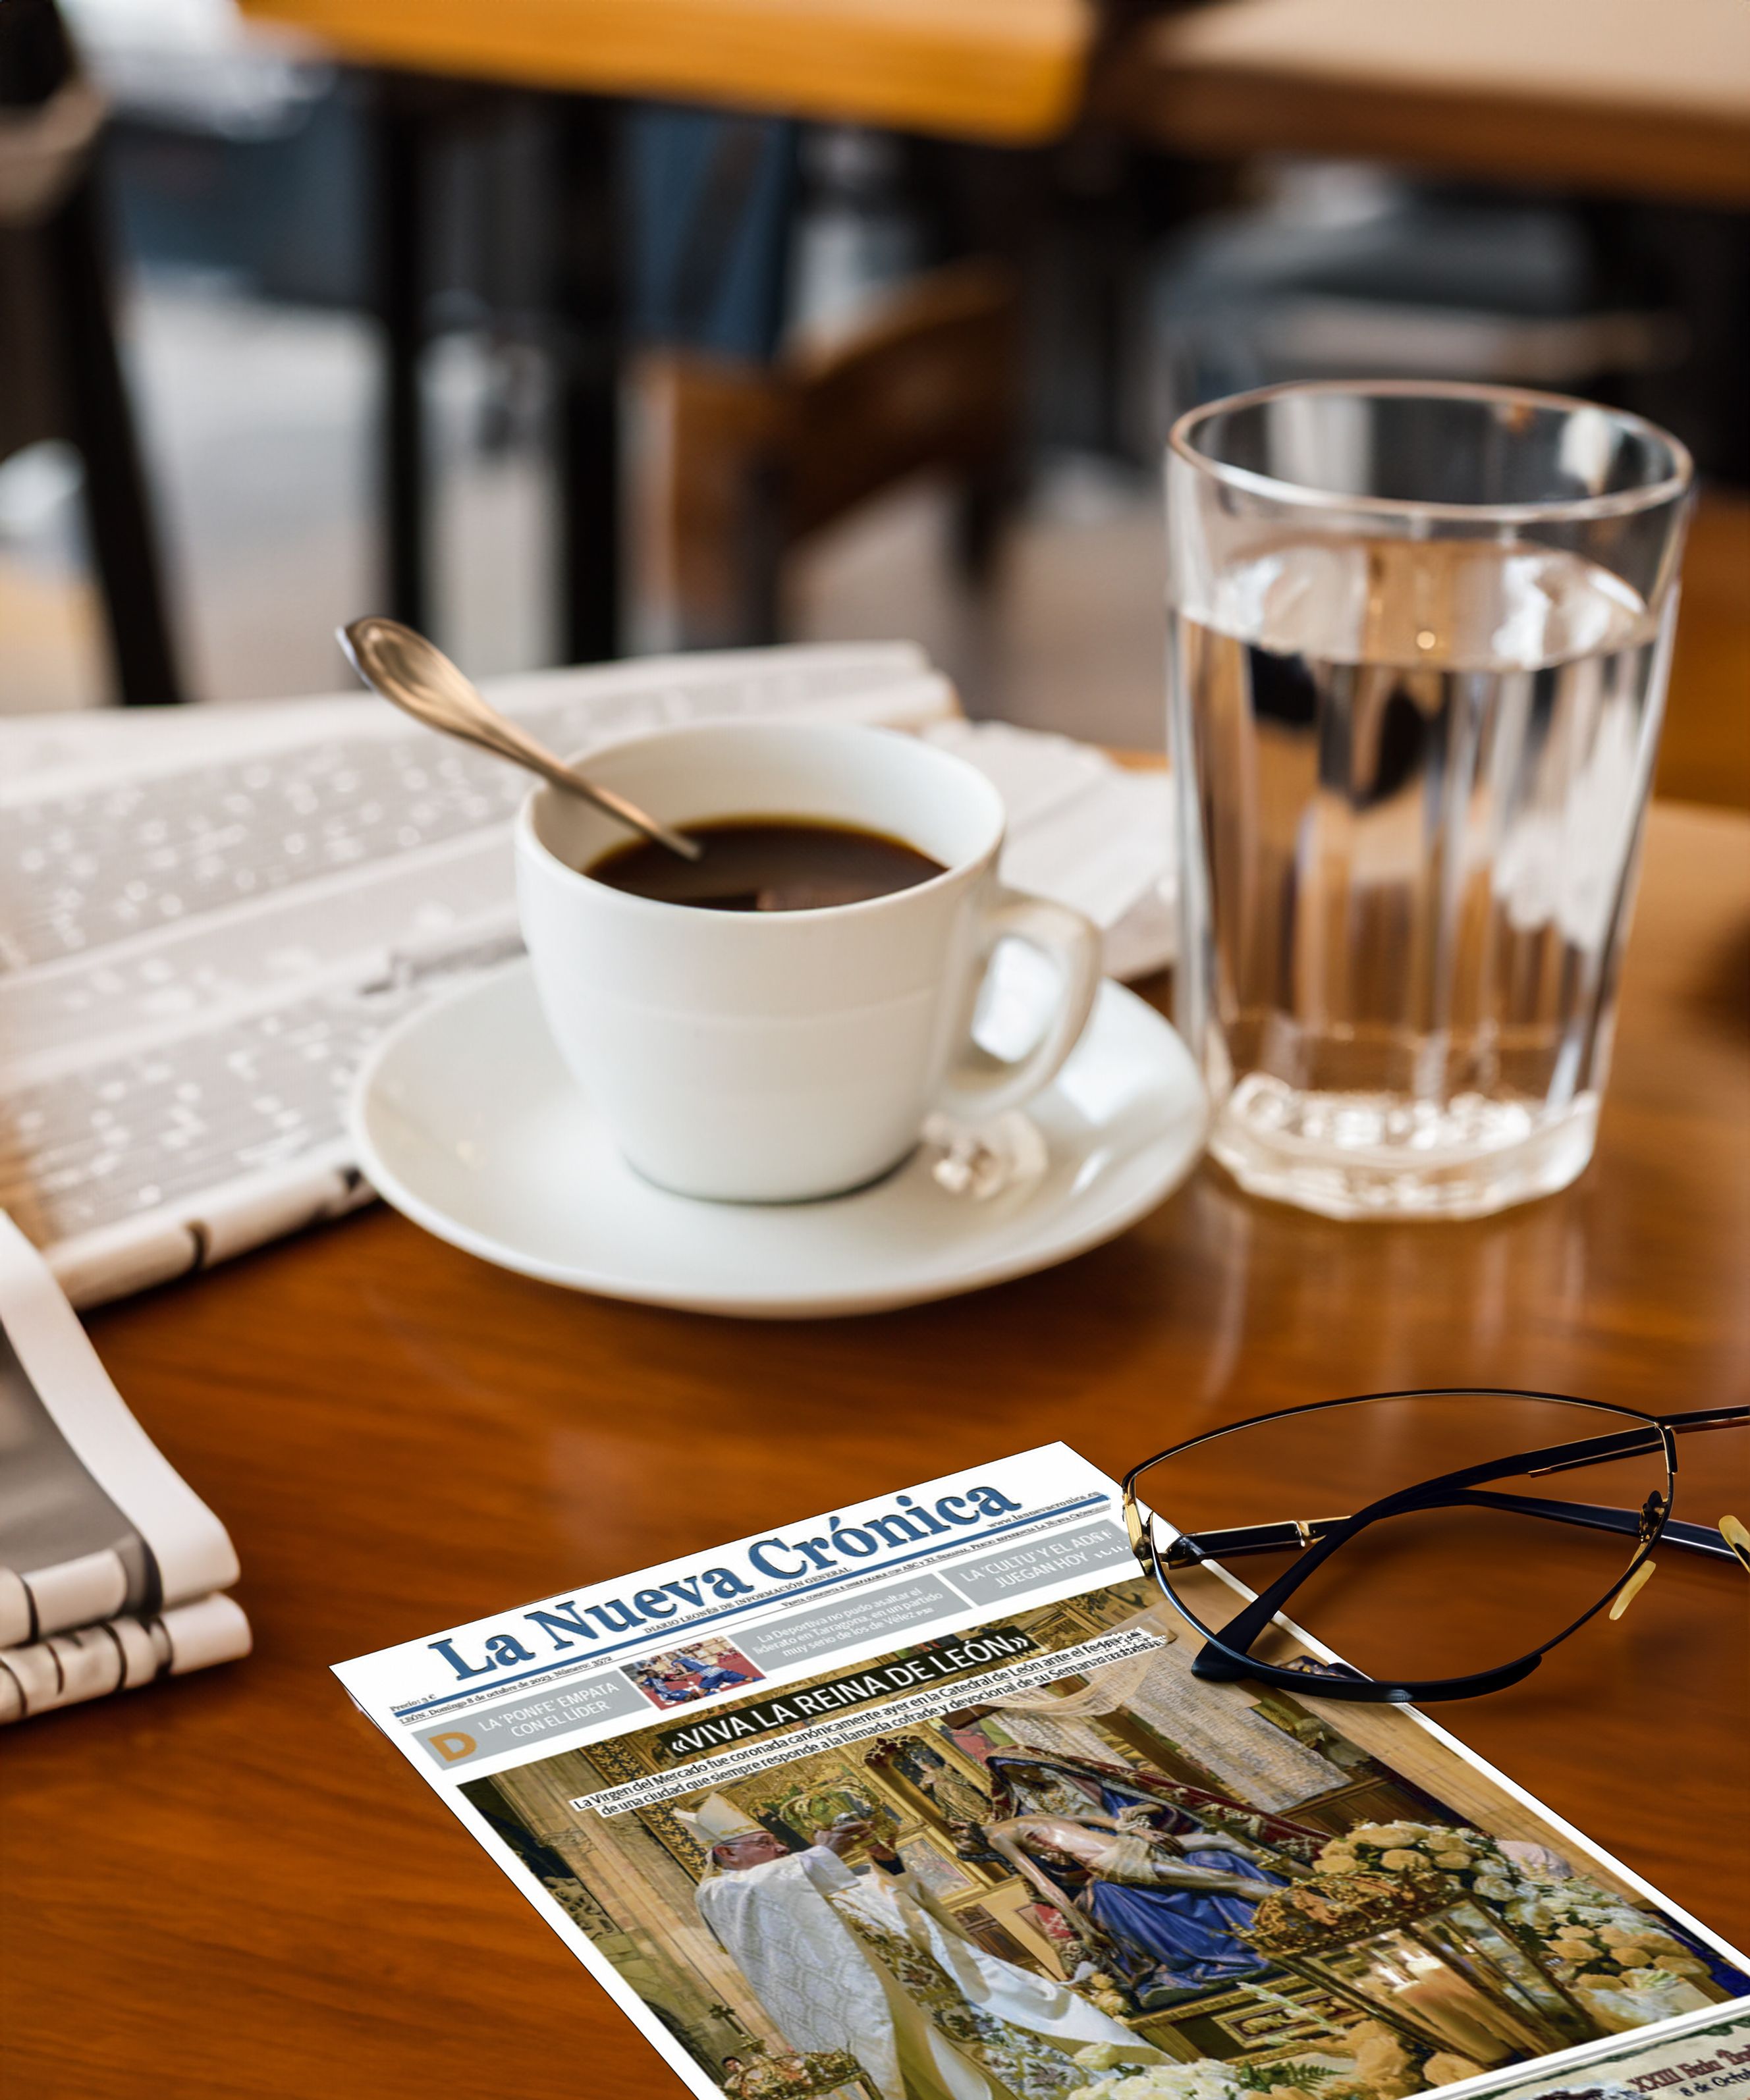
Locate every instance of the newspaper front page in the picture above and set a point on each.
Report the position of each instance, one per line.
(920, 1800)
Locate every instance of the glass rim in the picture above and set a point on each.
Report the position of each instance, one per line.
(1620, 503)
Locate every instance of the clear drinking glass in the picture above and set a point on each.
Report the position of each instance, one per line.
(1420, 636)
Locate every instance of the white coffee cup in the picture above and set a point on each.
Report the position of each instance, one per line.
(771, 1056)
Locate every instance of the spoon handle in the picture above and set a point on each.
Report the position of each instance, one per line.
(421, 682)
(617, 805)
(501, 736)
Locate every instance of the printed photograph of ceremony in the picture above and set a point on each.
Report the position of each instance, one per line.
(1128, 1885)
(694, 1672)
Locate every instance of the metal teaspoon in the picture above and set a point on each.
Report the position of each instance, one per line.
(417, 676)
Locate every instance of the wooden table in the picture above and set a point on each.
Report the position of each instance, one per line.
(1007, 70)
(231, 1887)
(1610, 97)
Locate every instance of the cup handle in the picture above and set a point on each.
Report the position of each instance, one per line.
(984, 1085)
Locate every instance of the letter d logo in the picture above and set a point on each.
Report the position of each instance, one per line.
(452, 1746)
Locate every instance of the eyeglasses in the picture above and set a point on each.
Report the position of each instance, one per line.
(1464, 1557)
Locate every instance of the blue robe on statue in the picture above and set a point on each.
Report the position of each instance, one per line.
(1177, 1939)
(1189, 1933)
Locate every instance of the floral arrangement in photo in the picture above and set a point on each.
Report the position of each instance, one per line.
(1114, 2081)
(1383, 2068)
(1469, 1856)
(1593, 1938)
(1588, 1936)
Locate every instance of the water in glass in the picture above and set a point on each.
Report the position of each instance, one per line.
(1415, 769)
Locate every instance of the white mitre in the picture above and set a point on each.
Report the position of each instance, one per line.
(716, 1821)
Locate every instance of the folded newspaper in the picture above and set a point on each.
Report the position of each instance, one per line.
(111, 1566)
(920, 1800)
(208, 914)
(1698, 2056)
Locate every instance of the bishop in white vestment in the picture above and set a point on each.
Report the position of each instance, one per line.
(873, 1964)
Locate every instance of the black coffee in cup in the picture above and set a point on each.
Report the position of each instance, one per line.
(768, 864)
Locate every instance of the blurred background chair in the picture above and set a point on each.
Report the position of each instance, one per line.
(1548, 193)
(60, 377)
(744, 461)
(712, 205)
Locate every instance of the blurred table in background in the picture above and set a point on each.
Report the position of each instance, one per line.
(229, 1884)
(1005, 70)
(1642, 97)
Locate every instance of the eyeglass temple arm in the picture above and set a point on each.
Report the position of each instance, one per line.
(1242, 1539)
(1551, 1458)
(1441, 1492)
(1622, 1444)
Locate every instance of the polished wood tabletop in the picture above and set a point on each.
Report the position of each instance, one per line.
(1007, 70)
(1611, 97)
(230, 1886)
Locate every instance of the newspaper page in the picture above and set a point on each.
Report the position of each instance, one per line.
(111, 1569)
(208, 915)
(920, 1800)
(1698, 2056)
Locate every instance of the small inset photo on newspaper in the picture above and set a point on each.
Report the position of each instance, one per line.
(693, 1672)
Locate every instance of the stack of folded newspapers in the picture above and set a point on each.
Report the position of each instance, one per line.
(111, 1568)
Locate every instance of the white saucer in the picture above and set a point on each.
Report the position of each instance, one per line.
(464, 1119)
